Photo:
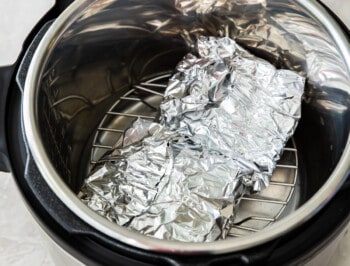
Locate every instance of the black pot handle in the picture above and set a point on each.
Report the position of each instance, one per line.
(6, 74)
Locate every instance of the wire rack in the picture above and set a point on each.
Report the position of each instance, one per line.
(255, 212)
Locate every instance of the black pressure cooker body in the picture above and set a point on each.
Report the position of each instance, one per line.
(90, 246)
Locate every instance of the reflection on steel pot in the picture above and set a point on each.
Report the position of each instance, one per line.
(104, 54)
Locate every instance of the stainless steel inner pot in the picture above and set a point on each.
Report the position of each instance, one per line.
(98, 52)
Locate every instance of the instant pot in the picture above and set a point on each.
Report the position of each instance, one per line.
(73, 90)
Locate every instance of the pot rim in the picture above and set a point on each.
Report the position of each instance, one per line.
(53, 179)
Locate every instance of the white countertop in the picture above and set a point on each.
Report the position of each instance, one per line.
(20, 238)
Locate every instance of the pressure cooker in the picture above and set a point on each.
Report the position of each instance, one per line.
(66, 99)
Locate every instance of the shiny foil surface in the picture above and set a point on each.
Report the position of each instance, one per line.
(224, 121)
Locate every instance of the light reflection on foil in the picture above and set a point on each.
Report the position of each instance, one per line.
(223, 124)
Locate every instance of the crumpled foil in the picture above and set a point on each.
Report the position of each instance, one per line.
(223, 124)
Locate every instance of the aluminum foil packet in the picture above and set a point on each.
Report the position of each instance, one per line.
(224, 121)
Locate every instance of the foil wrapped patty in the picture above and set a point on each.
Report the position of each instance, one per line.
(224, 121)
